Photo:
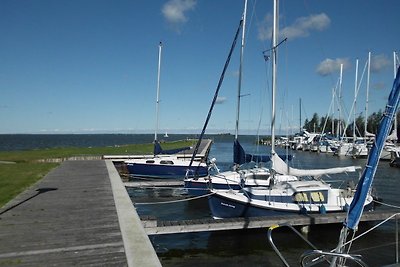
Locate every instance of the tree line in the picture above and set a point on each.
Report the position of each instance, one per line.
(325, 124)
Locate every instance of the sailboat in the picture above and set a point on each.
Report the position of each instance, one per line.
(286, 193)
(164, 163)
(238, 177)
(341, 255)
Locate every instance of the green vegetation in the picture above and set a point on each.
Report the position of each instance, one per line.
(28, 168)
(15, 178)
(318, 124)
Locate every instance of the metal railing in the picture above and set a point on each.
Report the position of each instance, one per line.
(316, 256)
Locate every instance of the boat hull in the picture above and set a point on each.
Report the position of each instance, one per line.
(165, 171)
(226, 208)
(232, 204)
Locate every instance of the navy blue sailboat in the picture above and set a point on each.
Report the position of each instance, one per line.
(164, 163)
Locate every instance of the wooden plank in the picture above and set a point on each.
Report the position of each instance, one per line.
(201, 225)
(68, 218)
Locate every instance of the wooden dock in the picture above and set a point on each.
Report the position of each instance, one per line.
(78, 215)
(154, 227)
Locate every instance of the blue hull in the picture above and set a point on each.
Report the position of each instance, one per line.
(165, 171)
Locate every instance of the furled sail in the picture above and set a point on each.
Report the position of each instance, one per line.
(282, 168)
(158, 149)
(240, 156)
(365, 182)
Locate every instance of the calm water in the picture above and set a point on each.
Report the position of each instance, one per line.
(250, 247)
(241, 247)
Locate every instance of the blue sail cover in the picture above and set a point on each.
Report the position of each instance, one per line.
(158, 149)
(240, 156)
(363, 187)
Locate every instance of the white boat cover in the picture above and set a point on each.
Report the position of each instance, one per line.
(282, 168)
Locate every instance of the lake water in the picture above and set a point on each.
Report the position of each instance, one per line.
(250, 247)
(239, 247)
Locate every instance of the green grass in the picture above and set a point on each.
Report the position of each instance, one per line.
(15, 178)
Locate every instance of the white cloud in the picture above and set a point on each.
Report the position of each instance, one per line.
(174, 12)
(329, 65)
(379, 62)
(220, 99)
(302, 27)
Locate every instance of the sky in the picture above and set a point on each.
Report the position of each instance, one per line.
(90, 66)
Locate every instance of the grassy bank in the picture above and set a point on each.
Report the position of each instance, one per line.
(25, 168)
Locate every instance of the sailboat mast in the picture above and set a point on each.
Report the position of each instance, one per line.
(240, 71)
(158, 89)
(367, 100)
(300, 128)
(355, 102)
(339, 128)
(395, 66)
(274, 66)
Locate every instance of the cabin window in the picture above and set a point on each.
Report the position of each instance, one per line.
(167, 162)
(317, 197)
(150, 161)
(301, 197)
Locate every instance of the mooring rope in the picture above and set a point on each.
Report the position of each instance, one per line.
(385, 204)
(174, 201)
(371, 229)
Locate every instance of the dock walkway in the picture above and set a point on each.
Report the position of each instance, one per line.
(79, 214)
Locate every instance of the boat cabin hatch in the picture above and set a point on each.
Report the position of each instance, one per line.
(167, 162)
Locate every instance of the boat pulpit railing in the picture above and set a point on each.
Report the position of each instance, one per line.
(275, 248)
(316, 256)
(313, 257)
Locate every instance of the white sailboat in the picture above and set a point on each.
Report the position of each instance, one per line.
(342, 254)
(238, 177)
(285, 193)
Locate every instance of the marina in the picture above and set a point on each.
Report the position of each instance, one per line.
(175, 222)
(95, 179)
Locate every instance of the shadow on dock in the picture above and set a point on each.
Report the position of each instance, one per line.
(38, 192)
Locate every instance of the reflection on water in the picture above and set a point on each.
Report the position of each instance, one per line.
(250, 247)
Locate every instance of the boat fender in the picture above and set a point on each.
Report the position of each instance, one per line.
(322, 209)
(303, 211)
(346, 207)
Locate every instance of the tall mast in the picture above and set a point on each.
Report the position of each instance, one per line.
(240, 71)
(158, 89)
(355, 102)
(274, 66)
(300, 115)
(339, 128)
(395, 65)
(367, 100)
(333, 111)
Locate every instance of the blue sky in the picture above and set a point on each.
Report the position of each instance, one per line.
(73, 66)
